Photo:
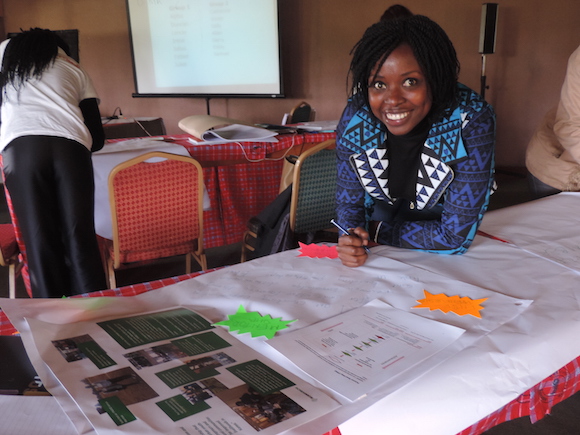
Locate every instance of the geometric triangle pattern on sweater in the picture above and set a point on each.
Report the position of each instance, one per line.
(433, 177)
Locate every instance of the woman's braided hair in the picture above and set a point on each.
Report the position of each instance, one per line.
(431, 46)
(28, 54)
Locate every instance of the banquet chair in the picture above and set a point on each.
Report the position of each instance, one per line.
(312, 204)
(157, 212)
(302, 112)
(302, 212)
(9, 256)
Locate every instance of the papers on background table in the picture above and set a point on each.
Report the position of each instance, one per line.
(357, 351)
(216, 129)
(317, 125)
(237, 133)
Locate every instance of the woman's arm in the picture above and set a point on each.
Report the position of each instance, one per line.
(465, 200)
(567, 122)
(350, 196)
(92, 116)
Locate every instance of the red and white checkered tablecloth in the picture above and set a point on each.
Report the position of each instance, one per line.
(238, 192)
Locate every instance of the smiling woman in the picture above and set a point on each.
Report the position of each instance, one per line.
(398, 94)
(415, 148)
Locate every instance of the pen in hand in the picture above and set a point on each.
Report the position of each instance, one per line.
(347, 233)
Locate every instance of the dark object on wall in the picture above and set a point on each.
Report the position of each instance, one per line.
(487, 38)
(302, 112)
(488, 30)
(71, 37)
(133, 128)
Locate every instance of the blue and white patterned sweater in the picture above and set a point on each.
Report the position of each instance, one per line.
(457, 171)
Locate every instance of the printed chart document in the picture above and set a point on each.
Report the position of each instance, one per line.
(172, 372)
(354, 352)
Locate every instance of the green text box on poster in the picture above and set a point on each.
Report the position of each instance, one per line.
(179, 407)
(96, 354)
(201, 343)
(117, 410)
(260, 377)
(184, 375)
(149, 328)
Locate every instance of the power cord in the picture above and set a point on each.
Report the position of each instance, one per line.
(114, 115)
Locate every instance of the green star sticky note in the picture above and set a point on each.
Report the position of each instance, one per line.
(254, 323)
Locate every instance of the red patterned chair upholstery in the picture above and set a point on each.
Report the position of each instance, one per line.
(9, 255)
(157, 212)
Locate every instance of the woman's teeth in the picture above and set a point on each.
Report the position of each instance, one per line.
(396, 116)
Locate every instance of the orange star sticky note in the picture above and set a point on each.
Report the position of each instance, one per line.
(317, 251)
(459, 305)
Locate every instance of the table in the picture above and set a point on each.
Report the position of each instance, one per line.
(522, 367)
(241, 179)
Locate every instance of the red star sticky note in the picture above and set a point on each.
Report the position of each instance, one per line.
(317, 251)
(459, 305)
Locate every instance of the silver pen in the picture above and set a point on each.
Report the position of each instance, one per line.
(347, 233)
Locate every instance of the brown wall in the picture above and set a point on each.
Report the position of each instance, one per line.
(525, 74)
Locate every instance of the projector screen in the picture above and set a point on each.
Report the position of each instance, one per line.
(205, 48)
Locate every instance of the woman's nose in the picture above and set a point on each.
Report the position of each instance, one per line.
(393, 97)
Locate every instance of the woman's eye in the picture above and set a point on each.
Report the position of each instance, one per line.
(410, 82)
(378, 85)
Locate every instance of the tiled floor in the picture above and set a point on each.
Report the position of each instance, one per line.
(512, 189)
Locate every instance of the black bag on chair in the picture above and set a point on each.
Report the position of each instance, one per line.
(272, 228)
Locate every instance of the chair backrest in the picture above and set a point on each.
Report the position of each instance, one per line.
(313, 202)
(156, 206)
(302, 112)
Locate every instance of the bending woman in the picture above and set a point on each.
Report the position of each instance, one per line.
(415, 148)
(50, 124)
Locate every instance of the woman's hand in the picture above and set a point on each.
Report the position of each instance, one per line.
(350, 248)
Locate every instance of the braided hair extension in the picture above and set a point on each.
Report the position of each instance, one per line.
(431, 46)
(28, 54)
(396, 11)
